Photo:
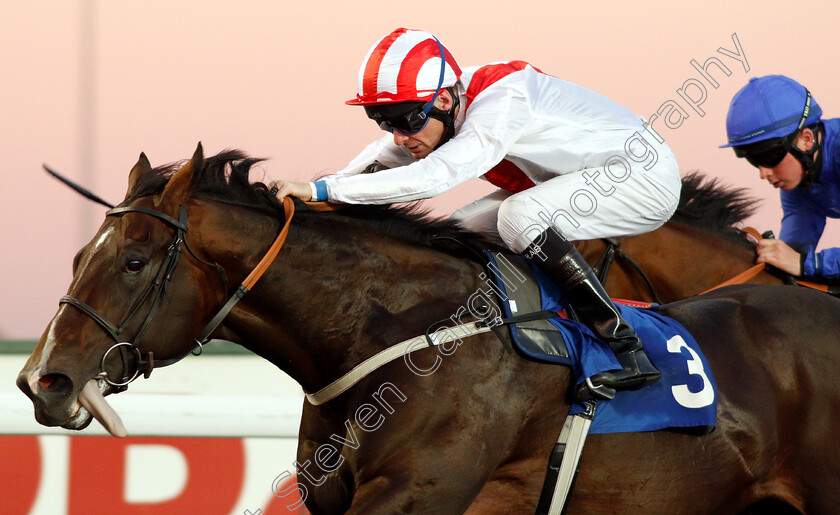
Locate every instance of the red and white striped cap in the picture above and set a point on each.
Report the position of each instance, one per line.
(404, 66)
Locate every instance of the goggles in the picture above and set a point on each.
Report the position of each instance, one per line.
(769, 156)
(769, 153)
(407, 118)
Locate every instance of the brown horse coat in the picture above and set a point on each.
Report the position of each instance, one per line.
(474, 434)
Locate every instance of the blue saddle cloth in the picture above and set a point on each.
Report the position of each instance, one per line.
(685, 396)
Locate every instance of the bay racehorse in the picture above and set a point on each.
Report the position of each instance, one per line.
(475, 435)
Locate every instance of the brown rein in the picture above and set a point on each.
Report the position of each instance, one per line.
(748, 274)
(265, 262)
(252, 278)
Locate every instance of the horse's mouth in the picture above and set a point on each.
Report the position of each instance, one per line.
(89, 404)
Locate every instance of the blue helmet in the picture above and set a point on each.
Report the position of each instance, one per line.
(769, 107)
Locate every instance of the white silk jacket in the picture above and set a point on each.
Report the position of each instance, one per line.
(544, 125)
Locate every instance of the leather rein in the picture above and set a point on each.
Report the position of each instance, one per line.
(145, 364)
(749, 273)
(613, 251)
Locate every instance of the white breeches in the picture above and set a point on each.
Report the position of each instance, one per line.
(611, 201)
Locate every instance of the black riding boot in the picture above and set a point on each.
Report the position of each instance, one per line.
(560, 260)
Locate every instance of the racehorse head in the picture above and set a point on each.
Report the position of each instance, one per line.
(121, 314)
(153, 284)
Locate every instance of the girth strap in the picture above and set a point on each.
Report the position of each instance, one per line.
(360, 371)
(564, 463)
(543, 314)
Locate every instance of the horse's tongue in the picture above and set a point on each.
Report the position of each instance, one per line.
(91, 398)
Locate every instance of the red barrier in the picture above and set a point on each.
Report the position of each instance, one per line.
(97, 476)
(20, 473)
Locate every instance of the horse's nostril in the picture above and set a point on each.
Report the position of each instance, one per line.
(46, 381)
(55, 383)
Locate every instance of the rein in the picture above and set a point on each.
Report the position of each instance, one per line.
(748, 274)
(613, 250)
(158, 287)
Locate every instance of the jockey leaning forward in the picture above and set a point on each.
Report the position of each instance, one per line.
(542, 140)
(774, 123)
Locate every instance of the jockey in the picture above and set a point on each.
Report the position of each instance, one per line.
(774, 123)
(570, 165)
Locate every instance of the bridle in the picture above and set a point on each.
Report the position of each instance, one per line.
(157, 289)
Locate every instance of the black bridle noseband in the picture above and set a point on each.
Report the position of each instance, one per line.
(156, 290)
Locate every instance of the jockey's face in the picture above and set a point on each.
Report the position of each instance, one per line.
(422, 143)
(786, 175)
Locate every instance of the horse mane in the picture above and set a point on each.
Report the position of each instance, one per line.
(225, 177)
(708, 205)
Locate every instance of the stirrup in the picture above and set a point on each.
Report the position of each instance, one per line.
(588, 391)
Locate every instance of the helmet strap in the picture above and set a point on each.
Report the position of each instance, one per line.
(431, 103)
(812, 166)
(447, 118)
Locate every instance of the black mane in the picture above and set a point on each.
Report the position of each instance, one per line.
(225, 177)
(707, 205)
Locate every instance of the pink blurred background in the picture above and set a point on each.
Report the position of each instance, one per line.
(87, 85)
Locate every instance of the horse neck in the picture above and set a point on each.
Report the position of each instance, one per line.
(680, 261)
(698, 260)
(337, 293)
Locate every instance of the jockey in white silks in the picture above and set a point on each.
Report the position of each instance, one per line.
(570, 165)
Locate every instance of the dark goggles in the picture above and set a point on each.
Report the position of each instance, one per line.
(766, 154)
(406, 118)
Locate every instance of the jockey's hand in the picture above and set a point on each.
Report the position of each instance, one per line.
(299, 190)
(779, 254)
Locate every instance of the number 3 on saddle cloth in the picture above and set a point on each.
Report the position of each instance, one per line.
(685, 396)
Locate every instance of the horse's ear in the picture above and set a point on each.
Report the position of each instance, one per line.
(141, 168)
(177, 189)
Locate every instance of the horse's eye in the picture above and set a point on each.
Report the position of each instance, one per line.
(134, 266)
